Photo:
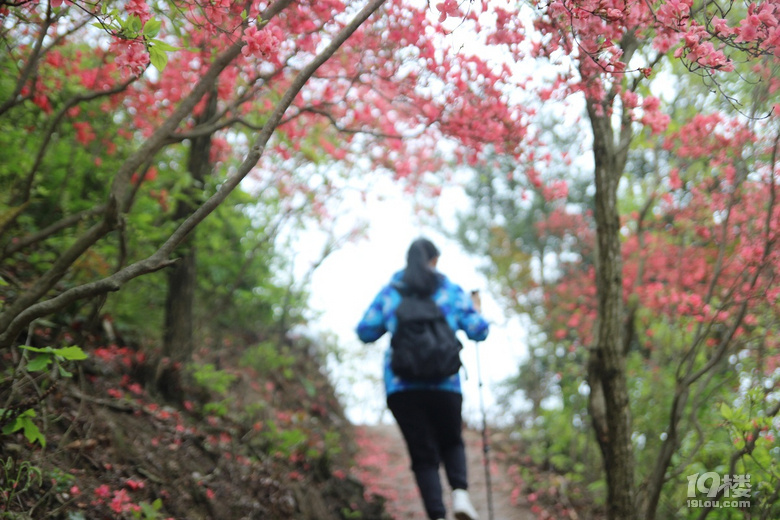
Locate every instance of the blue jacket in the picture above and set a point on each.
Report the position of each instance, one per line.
(457, 308)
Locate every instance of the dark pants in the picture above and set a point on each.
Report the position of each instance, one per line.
(430, 421)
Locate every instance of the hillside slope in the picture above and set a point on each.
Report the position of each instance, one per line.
(255, 434)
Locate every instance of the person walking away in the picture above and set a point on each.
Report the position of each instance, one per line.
(428, 412)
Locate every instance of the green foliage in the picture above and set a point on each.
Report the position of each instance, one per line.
(149, 511)
(286, 441)
(268, 358)
(48, 355)
(17, 478)
(349, 514)
(752, 429)
(132, 28)
(21, 418)
(24, 422)
(213, 379)
(62, 481)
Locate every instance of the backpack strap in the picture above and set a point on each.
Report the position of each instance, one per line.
(404, 291)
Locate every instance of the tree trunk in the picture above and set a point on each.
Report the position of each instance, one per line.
(609, 403)
(178, 333)
(182, 277)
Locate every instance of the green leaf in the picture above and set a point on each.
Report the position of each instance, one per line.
(158, 58)
(134, 24)
(43, 350)
(726, 412)
(72, 353)
(19, 422)
(39, 363)
(152, 28)
(163, 46)
(33, 434)
(762, 456)
(25, 422)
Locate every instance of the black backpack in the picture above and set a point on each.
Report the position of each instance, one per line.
(424, 346)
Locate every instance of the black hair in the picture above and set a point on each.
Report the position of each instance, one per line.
(419, 276)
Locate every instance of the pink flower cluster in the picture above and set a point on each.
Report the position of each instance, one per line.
(653, 117)
(261, 42)
(130, 55)
(139, 8)
(555, 190)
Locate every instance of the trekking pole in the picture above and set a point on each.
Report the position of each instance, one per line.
(485, 444)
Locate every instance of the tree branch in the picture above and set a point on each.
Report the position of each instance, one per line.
(55, 121)
(30, 66)
(15, 320)
(46, 232)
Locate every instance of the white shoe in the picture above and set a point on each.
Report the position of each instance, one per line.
(461, 506)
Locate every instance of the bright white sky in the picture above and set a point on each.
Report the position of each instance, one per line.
(346, 283)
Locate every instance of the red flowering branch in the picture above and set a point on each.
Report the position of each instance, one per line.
(23, 310)
(54, 124)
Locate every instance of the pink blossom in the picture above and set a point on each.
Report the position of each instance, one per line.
(447, 8)
(102, 491)
(721, 27)
(651, 103)
(138, 8)
(656, 121)
(674, 179)
(120, 501)
(263, 42)
(691, 39)
(134, 484)
(748, 29)
(664, 42)
(84, 132)
(556, 190)
(131, 55)
(769, 15)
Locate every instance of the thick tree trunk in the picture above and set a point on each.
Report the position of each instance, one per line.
(178, 333)
(609, 404)
(178, 342)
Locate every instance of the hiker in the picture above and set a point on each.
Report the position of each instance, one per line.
(428, 412)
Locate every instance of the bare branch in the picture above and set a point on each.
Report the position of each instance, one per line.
(339, 127)
(46, 232)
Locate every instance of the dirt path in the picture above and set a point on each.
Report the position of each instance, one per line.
(384, 467)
